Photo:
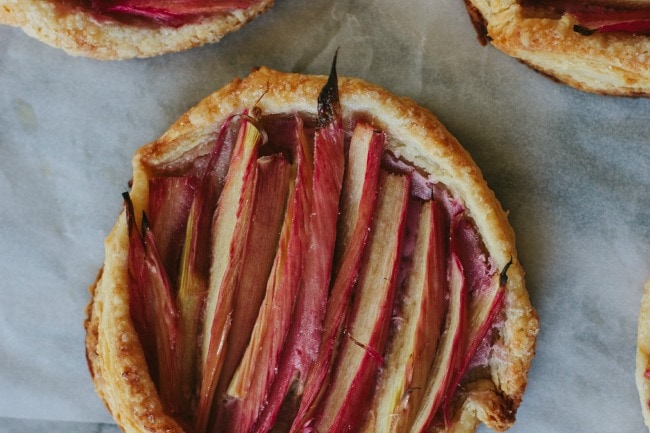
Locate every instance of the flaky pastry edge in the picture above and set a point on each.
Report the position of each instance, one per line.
(115, 358)
(79, 33)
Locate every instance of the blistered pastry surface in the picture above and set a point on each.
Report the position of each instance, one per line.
(422, 139)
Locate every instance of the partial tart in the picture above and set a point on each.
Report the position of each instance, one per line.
(600, 46)
(303, 253)
(642, 375)
(124, 29)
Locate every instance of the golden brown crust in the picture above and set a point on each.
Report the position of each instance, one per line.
(643, 354)
(79, 33)
(417, 136)
(607, 63)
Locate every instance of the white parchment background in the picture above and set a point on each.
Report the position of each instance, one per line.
(572, 168)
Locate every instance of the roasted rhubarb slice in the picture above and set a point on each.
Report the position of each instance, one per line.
(153, 308)
(229, 237)
(605, 21)
(172, 13)
(599, 17)
(266, 223)
(357, 208)
(361, 350)
(413, 347)
(303, 340)
(249, 389)
(450, 350)
(358, 275)
(170, 200)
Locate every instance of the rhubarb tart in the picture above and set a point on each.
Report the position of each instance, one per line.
(309, 254)
(122, 29)
(600, 46)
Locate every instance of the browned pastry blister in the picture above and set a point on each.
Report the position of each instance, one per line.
(612, 63)
(75, 28)
(491, 390)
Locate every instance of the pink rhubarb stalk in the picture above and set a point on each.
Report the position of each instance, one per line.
(414, 345)
(229, 237)
(357, 208)
(303, 341)
(152, 302)
(359, 358)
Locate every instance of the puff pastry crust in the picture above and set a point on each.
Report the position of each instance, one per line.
(115, 357)
(77, 31)
(608, 63)
(643, 354)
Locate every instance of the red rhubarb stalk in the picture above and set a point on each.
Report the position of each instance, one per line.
(301, 348)
(195, 257)
(413, 347)
(357, 208)
(361, 349)
(265, 227)
(252, 382)
(229, 237)
(449, 350)
(483, 306)
(151, 289)
(170, 12)
(170, 200)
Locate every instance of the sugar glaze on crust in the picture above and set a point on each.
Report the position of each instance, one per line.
(609, 63)
(114, 356)
(643, 354)
(79, 33)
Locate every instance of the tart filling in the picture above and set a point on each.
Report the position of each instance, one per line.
(296, 271)
(169, 13)
(598, 17)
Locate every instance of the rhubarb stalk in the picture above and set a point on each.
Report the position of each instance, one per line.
(150, 287)
(195, 258)
(252, 382)
(229, 236)
(357, 208)
(451, 343)
(362, 347)
(413, 348)
(303, 341)
(266, 225)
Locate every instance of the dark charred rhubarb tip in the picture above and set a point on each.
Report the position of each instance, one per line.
(503, 278)
(145, 225)
(583, 30)
(328, 100)
(129, 210)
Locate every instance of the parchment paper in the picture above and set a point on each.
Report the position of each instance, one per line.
(573, 169)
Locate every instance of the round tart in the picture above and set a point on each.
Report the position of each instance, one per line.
(300, 253)
(123, 29)
(598, 46)
(643, 355)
